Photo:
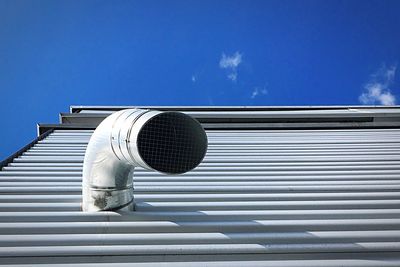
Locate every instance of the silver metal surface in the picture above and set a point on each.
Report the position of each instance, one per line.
(260, 198)
(124, 140)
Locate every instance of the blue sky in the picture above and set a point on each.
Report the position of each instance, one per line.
(54, 54)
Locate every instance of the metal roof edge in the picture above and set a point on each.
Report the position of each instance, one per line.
(40, 137)
(254, 126)
(44, 127)
(77, 108)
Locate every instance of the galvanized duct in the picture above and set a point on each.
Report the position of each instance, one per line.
(168, 142)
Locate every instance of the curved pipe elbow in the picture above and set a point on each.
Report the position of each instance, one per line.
(168, 142)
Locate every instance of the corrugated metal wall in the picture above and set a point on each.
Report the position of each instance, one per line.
(260, 198)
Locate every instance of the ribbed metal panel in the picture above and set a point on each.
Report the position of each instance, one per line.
(260, 198)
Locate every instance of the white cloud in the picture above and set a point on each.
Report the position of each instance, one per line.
(258, 91)
(194, 78)
(377, 90)
(231, 63)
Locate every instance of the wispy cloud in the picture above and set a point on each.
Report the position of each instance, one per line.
(258, 91)
(231, 63)
(377, 90)
(194, 78)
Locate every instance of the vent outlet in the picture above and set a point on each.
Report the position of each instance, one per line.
(172, 143)
(167, 142)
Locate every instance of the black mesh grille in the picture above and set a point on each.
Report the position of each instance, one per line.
(172, 142)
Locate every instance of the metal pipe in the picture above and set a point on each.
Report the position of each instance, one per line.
(168, 142)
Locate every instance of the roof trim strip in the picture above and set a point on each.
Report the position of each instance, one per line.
(77, 109)
(10, 159)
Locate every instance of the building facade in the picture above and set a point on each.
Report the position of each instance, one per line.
(279, 186)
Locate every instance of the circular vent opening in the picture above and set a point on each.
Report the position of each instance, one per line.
(172, 142)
